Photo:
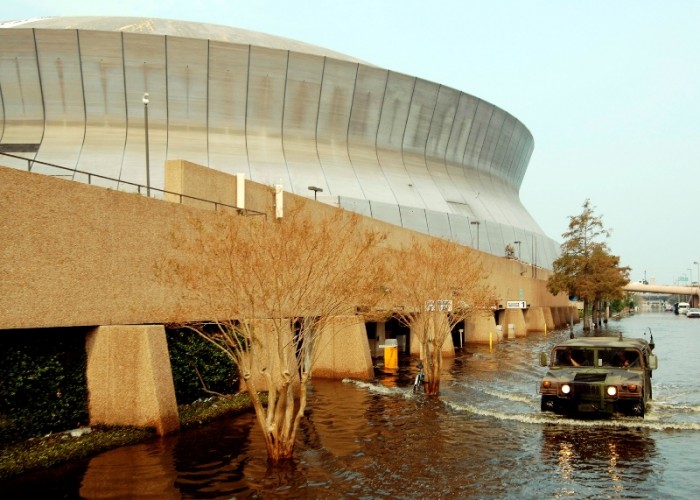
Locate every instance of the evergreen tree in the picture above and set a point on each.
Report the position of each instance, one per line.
(586, 268)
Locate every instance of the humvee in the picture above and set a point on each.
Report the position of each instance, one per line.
(598, 375)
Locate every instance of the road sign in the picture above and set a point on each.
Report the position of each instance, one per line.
(443, 305)
(516, 304)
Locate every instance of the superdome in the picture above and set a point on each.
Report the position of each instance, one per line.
(170, 27)
(388, 145)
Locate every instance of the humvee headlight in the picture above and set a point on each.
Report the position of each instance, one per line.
(612, 390)
(546, 384)
(566, 389)
(633, 387)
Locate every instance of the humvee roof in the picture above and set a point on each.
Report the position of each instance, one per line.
(611, 342)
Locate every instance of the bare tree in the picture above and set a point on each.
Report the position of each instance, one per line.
(437, 285)
(270, 289)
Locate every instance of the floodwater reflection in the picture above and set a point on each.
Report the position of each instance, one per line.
(145, 470)
(624, 457)
(483, 437)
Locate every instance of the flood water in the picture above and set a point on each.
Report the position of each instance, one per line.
(484, 437)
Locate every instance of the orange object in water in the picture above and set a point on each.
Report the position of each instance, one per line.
(391, 354)
(391, 357)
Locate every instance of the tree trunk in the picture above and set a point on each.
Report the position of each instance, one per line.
(433, 368)
(432, 350)
(594, 313)
(586, 326)
(280, 419)
(432, 386)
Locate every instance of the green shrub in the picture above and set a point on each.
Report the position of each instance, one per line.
(43, 387)
(192, 357)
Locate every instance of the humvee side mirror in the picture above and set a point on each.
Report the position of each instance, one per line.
(543, 359)
(653, 361)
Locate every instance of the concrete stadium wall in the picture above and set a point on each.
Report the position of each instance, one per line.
(79, 255)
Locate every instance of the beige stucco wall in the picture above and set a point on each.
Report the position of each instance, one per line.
(75, 254)
(80, 255)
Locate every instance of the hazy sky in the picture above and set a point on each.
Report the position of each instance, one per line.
(609, 89)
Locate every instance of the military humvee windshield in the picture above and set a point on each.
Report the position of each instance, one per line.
(600, 357)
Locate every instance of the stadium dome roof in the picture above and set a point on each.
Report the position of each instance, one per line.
(170, 27)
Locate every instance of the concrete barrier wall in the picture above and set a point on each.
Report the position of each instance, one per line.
(76, 255)
(80, 255)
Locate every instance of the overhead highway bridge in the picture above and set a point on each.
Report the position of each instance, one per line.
(692, 291)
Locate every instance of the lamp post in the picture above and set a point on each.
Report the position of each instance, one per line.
(518, 243)
(697, 263)
(316, 190)
(477, 224)
(145, 127)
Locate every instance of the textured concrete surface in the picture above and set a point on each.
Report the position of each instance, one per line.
(344, 350)
(129, 378)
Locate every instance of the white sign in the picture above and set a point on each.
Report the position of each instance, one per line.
(516, 304)
(442, 305)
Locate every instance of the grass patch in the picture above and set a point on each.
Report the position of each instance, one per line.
(54, 449)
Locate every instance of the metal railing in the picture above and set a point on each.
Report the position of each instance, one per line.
(138, 187)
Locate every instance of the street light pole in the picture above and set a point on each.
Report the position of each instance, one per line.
(316, 190)
(477, 224)
(145, 126)
(697, 263)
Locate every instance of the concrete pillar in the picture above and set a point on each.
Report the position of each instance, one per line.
(269, 352)
(448, 348)
(549, 319)
(535, 319)
(129, 378)
(517, 318)
(343, 350)
(565, 315)
(381, 337)
(574, 312)
(556, 319)
(481, 329)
